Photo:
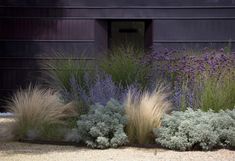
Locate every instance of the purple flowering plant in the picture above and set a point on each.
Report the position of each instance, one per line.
(187, 73)
(99, 89)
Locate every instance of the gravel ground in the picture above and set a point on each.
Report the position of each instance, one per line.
(5, 130)
(15, 151)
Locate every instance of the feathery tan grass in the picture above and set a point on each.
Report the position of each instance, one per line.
(144, 113)
(35, 108)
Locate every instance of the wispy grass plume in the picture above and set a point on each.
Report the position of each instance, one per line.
(36, 111)
(144, 112)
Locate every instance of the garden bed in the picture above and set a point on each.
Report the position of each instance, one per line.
(4, 122)
(118, 105)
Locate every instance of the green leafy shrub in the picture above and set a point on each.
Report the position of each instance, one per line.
(102, 127)
(125, 67)
(39, 114)
(190, 129)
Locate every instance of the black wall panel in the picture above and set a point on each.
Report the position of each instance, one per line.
(121, 13)
(108, 3)
(194, 30)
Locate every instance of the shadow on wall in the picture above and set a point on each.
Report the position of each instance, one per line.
(21, 41)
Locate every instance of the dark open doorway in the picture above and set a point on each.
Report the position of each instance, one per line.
(111, 33)
(136, 33)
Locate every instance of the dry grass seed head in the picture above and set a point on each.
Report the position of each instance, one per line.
(144, 113)
(34, 107)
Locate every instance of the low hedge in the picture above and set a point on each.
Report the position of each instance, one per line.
(190, 129)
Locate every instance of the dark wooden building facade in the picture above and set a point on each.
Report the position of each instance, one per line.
(32, 30)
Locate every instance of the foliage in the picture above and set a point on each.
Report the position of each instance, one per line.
(102, 127)
(217, 93)
(67, 75)
(63, 69)
(37, 111)
(78, 94)
(228, 47)
(99, 90)
(191, 129)
(125, 67)
(187, 67)
(186, 73)
(104, 89)
(144, 112)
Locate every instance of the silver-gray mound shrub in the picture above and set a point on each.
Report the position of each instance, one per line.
(103, 126)
(189, 129)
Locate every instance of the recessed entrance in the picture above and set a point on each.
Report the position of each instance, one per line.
(112, 33)
(129, 32)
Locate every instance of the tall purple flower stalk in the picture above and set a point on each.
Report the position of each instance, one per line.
(104, 88)
(98, 90)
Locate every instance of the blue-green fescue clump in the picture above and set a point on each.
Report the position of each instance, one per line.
(190, 129)
(103, 126)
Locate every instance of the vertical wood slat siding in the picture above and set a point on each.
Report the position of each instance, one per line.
(39, 29)
(121, 13)
(34, 48)
(117, 2)
(194, 30)
(101, 36)
(194, 34)
(32, 38)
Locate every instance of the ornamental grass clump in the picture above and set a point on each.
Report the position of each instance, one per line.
(66, 75)
(102, 127)
(144, 112)
(125, 66)
(38, 113)
(197, 129)
(60, 72)
(217, 93)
